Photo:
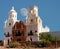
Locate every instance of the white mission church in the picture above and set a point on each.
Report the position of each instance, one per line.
(33, 24)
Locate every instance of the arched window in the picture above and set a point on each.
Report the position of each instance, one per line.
(30, 33)
(35, 31)
(8, 33)
(18, 33)
(31, 20)
(9, 24)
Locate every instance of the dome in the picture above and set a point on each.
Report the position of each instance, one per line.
(12, 10)
(12, 13)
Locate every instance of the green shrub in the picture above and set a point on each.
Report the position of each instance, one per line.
(42, 44)
(11, 45)
(14, 44)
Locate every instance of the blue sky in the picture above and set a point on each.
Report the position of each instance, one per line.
(49, 11)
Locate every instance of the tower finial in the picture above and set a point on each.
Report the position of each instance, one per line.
(12, 7)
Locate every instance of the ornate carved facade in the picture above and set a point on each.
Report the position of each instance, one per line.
(19, 31)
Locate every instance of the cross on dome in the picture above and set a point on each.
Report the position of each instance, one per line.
(12, 7)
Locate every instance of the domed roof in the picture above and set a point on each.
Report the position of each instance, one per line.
(12, 10)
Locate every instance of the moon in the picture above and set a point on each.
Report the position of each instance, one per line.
(24, 12)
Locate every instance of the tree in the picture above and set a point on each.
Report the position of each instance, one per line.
(47, 37)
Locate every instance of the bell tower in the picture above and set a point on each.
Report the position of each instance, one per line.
(8, 24)
(12, 14)
(12, 17)
(32, 15)
(32, 23)
(33, 10)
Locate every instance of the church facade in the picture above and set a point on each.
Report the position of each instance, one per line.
(28, 30)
